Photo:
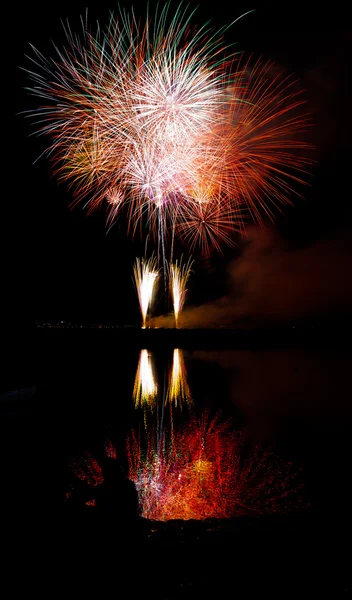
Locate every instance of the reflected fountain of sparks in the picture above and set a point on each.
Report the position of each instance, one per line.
(145, 388)
(178, 391)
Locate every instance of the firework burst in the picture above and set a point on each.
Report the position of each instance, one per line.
(208, 225)
(164, 123)
(114, 199)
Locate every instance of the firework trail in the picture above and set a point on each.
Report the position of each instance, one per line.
(164, 123)
(207, 471)
(179, 274)
(145, 273)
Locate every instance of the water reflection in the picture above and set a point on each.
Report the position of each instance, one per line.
(207, 470)
(191, 462)
(145, 389)
(178, 390)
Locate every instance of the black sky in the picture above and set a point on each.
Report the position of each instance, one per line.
(74, 270)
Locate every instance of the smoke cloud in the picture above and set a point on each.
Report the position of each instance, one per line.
(270, 282)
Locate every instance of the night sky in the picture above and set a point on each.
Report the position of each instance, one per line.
(74, 270)
(63, 264)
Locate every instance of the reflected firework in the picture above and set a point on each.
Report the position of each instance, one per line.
(145, 388)
(178, 390)
(87, 469)
(206, 470)
(145, 273)
(179, 275)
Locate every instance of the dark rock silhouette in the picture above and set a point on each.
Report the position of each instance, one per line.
(117, 497)
(109, 510)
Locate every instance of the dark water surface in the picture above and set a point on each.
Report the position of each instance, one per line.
(241, 458)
